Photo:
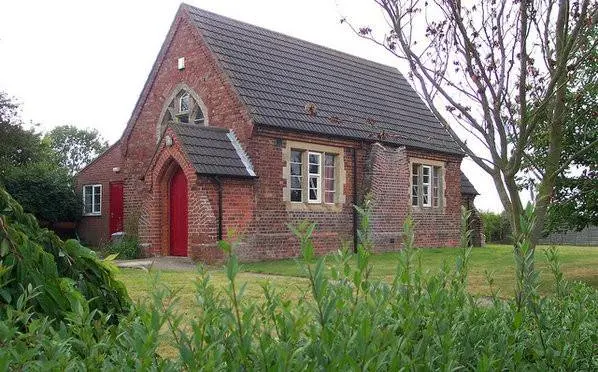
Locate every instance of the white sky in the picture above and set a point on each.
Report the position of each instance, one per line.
(84, 62)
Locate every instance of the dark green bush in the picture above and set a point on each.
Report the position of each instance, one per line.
(45, 190)
(496, 227)
(344, 321)
(66, 275)
(125, 249)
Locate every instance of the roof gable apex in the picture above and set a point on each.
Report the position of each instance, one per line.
(151, 78)
(181, 18)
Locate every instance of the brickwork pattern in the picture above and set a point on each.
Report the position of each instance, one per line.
(388, 179)
(203, 75)
(440, 227)
(95, 230)
(268, 235)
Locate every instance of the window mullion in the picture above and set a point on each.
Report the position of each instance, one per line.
(305, 178)
(420, 186)
(322, 175)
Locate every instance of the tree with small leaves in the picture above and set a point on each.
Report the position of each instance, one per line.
(496, 74)
(76, 147)
(19, 146)
(30, 171)
(575, 202)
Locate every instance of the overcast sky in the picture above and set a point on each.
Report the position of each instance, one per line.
(85, 62)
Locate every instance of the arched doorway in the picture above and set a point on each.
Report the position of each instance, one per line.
(178, 213)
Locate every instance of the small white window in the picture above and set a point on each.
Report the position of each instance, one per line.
(296, 177)
(426, 185)
(314, 177)
(92, 200)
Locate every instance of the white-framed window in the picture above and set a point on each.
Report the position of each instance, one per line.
(92, 200)
(184, 108)
(415, 184)
(314, 177)
(426, 185)
(296, 188)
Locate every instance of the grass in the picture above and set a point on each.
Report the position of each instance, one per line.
(578, 263)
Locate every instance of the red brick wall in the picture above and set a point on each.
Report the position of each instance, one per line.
(94, 230)
(388, 179)
(440, 227)
(154, 223)
(268, 235)
(203, 75)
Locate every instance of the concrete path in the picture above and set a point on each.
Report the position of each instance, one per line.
(160, 263)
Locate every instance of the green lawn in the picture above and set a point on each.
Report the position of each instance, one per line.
(578, 263)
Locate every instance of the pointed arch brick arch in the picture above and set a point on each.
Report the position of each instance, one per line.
(202, 204)
(175, 93)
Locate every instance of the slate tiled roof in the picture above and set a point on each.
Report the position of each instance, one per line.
(278, 75)
(466, 186)
(213, 151)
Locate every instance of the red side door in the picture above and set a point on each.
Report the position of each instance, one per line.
(116, 207)
(178, 214)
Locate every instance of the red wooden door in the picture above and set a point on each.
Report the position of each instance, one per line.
(116, 207)
(178, 214)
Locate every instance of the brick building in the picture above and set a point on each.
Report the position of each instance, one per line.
(241, 128)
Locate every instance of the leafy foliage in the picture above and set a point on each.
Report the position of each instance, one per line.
(19, 146)
(74, 147)
(83, 340)
(65, 275)
(30, 171)
(575, 202)
(126, 248)
(496, 227)
(45, 190)
(345, 321)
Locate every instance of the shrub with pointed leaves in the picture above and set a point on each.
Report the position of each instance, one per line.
(65, 275)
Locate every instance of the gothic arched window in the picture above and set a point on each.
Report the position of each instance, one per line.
(183, 107)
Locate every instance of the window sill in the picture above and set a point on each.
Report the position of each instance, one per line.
(421, 209)
(92, 214)
(313, 207)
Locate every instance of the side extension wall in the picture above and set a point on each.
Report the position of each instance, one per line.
(94, 230)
